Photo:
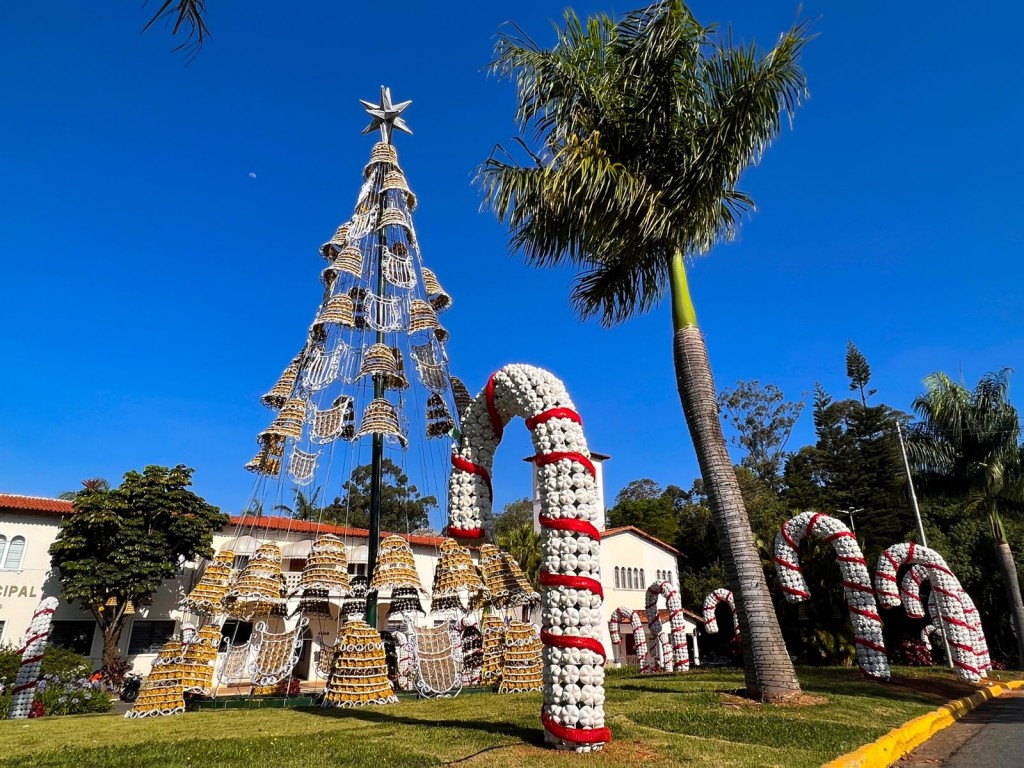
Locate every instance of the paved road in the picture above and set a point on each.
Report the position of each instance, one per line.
(991, 736)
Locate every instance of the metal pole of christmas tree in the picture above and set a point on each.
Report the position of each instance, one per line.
(385, 117)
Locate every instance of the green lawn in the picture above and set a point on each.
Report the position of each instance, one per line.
(656, 721)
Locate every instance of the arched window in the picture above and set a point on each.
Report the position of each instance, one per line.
(3, 548)
(617, 577)
(670, 581)
(12, 561)
(643, 580)
(629, 578)
(636, 578)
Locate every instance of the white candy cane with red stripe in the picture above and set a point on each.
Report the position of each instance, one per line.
(23, 691)
(570, 576)
(711, 603)
(626, 616)
(910, 592)
(679, 660)
(959, 632)
(860, 597)
(926, 635)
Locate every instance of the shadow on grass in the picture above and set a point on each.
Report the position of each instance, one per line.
(533, 736)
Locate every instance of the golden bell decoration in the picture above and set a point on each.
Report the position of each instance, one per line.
(395, 179)
(381, 418)
(332, 247)
(282, 390)
(111, 602)
(162, 692)
(457, 583)
(259, 588)
(339, 311)
(359, 673)
(421, 316)
(324, 576)
(494, 649)
(129, 608)
(381, 154)
(522, 667)
(208, 594)
(504, 579)
(199, 660)
(462, 397)
(395, 566)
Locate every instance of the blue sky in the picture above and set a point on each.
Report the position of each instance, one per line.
(154, 289)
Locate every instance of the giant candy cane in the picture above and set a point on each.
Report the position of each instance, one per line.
(860, 597)
(626, 616)
(24, 689)
(570, 577)
(711, 603)
(679, 660)
(959, 632)
(910, 592)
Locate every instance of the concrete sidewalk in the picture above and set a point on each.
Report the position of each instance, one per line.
(992, 736)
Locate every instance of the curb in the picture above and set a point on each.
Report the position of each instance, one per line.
(906, 738)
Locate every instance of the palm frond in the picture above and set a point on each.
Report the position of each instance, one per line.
(187, 14)
(639, 131)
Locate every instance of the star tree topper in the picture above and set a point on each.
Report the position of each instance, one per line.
(386, 116)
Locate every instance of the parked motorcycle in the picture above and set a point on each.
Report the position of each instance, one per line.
(130, 687)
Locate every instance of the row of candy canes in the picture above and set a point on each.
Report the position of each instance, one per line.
(626, 616)
(711, 603)
(959, 633)
(860, 597)
(24, 690)
(910, 594)
(677, 659)
(572, 714)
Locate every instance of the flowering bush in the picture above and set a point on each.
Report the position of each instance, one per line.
(70, 696)
(912, 653)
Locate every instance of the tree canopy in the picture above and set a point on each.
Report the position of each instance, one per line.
(123, 543)
(402, 508)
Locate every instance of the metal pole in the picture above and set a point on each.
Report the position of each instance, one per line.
(920, 532)
(377, 460)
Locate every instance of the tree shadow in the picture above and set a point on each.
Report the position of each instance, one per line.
(533, 736)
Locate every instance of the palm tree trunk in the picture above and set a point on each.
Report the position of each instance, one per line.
(1011, 582)
(768, 669)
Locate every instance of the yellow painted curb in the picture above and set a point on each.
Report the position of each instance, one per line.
(908, 737)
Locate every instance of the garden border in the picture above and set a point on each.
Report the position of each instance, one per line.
(906, 738)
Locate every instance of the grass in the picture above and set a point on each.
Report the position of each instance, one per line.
(655, 720)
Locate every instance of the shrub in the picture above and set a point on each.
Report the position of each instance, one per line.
(912, 653)
(10, 660)
(71, 696)
(65, 664)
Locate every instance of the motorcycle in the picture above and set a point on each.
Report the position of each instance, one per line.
(130, 687)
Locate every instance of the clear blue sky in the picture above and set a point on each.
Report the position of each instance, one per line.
(154, 289)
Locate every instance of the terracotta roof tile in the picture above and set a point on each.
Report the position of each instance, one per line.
(641, 534)
(37, 504)
(274, 523)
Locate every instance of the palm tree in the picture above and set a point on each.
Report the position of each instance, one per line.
(644, 126)
(524, 544)
(966, 448)
(305, 506)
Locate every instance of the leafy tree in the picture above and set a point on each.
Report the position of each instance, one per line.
(93, 483)
(644, 504)
(524, 544)
(122, 543)
(402, 509)
(644, 127)
(858, 372)
(762, 421)
(515, 515)
(966, 449)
